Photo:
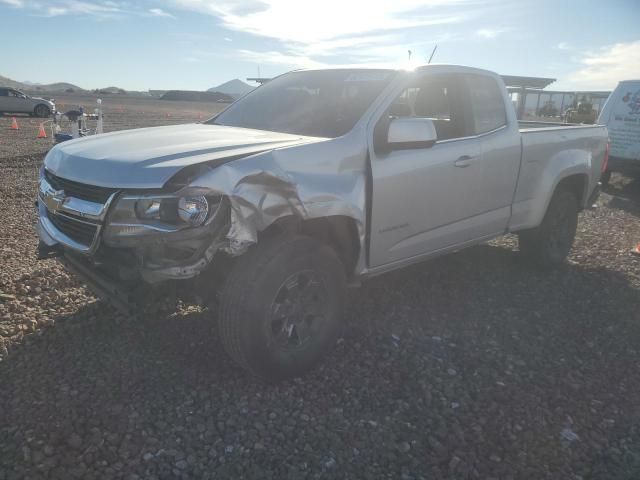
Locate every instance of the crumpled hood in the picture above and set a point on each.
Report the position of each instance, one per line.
(148, 157)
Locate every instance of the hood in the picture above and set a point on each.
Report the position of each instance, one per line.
(148, 157)
(40, 99)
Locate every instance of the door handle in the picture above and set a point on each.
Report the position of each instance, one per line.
(463, 162)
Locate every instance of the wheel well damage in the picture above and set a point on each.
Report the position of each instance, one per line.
(338, 231)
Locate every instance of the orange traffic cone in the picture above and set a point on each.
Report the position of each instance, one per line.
(42, 133)
(636, 250)
(14, 124)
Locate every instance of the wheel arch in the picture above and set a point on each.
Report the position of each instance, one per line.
(339, 232)
(540, 180)
(576, 183)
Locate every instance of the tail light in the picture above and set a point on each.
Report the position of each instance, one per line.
(605, 162)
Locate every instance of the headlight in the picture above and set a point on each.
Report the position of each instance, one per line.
(140, 215)
(148, 209)
(192, 210)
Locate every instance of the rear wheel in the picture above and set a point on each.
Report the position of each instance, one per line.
(42, 111)
(549, 244)
(281, 305)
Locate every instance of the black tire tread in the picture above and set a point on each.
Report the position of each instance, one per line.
(531, 242)
(240, 280)
(37, 107)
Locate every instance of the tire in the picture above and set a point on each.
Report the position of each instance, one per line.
(281, 305)
(605, 178)
(42, 111)
(549, 244)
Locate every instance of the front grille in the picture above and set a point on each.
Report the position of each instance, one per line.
(78, 231)
(82, 191)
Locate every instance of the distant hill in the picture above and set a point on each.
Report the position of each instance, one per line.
(236, 88)
(197, 96)
(7, 82)
(55, 87)
(110, 90)
(33, 87)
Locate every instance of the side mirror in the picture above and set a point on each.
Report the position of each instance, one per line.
(407, 133)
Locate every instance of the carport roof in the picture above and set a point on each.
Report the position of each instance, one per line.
(527, 82)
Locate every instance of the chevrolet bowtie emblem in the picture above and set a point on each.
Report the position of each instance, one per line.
(53, 199)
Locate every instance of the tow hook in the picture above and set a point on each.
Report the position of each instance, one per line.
(48, 251)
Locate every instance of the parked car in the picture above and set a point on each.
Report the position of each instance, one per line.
(316, 180)
(14, 101)
(621, 115)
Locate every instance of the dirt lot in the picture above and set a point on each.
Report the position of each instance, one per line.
(470, 366)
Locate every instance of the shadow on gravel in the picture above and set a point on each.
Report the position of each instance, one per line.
(474, 357)
(625, 188)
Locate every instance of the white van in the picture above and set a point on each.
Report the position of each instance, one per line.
(621, 115)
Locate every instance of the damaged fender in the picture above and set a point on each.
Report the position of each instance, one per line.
(290, 182)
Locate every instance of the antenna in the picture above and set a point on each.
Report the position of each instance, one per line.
(409, 52)
(433, 53)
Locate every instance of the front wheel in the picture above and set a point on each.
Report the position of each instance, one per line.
(549, 244)
(281, 305)
(42, 111)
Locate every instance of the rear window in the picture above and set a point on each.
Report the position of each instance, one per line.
(487, 103)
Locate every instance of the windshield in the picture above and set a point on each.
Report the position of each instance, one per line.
(321, 103)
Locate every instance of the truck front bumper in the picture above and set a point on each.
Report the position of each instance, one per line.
(119, 295)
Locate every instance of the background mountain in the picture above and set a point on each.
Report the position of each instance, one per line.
(194, 96)
(235, 88)
(7, 82)
(36, 87)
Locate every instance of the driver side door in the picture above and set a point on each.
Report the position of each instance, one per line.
(422, 198)
(15, 102)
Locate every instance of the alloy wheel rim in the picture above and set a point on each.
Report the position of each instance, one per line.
(298, 311)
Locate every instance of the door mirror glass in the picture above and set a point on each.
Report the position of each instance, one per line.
(405, 133)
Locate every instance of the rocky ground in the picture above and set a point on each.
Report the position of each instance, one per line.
(469, 366)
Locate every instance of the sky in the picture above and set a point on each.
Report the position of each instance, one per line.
(197, 44)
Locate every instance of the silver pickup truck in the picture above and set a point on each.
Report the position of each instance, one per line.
(317, 180)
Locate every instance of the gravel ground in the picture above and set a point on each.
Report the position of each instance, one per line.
(469, 366)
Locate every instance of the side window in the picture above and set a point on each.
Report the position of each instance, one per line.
(4, 92)
(487, 103)
(440, 98)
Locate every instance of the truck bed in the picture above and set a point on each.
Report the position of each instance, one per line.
(549, 149)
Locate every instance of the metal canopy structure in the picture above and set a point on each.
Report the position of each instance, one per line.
(521, 85)
(515, 81)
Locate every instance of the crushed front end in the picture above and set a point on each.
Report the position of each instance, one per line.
(130, 247)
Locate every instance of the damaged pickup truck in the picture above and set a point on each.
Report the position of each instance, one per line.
(312, 182)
